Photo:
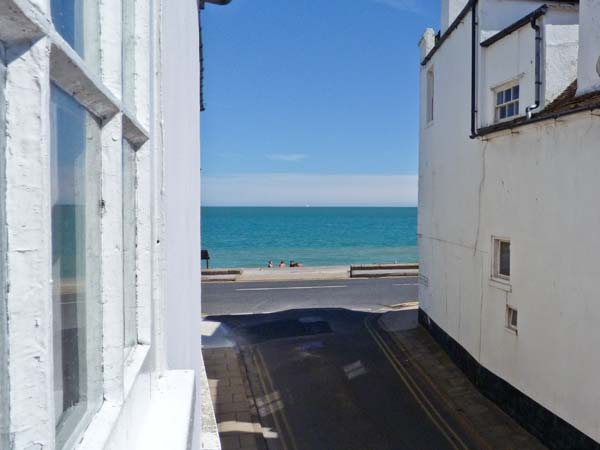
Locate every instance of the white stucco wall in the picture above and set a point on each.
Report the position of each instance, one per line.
(535, 186)
(150, 393)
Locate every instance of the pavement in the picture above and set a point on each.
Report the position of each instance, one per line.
(323, 369)
(309, 273)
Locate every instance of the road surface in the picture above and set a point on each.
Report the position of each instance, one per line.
(323, 374)
(372, 295)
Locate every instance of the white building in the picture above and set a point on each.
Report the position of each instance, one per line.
(508, 206)
(100, 220)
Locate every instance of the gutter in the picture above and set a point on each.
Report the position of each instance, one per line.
(515, 26)
(535, 119)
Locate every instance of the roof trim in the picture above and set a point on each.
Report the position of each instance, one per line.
(449, 31)
(515, 26)
(535, 119)
(459, 19)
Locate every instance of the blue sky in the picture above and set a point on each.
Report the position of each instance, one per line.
(308, 100)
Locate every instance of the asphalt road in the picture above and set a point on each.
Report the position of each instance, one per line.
(371, 295)
(319, 367)
(323, 381)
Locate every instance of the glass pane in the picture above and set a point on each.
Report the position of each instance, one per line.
(514, 318)
(504, 266)
(515, 92)
(128, 54)
(77, 315)
(129, 246)
(69, 18)
(499, 98)
(507, 95)
(516, 108)
(510, 110)
(503, 112)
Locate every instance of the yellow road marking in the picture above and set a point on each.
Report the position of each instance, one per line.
(416, 392)
(262, 369)
(267, 403)
(286, 423)
(466, 423)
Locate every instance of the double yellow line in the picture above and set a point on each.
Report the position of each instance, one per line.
(278, 414)
(434, 415)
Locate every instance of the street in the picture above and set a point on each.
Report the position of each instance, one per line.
(323, 375)
(375, 295)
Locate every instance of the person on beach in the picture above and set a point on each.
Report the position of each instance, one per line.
(270, 264)
(296, 264)
(281, 264)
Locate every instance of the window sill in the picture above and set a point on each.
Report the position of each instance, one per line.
(133, 365)
(500, 284)
(511, 331)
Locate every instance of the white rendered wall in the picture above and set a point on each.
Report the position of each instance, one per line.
(181, 128)
(536, 186)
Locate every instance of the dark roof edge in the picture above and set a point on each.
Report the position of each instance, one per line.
(449, 31)
(540, 117)
(515, 26)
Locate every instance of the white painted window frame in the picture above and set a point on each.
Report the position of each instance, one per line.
(38, 56)
(503, 87)
(510, 313)
(496, 278)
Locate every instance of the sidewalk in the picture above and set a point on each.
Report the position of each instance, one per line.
(239, 427)
(433, 370)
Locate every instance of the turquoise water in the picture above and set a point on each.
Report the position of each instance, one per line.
(249, 237)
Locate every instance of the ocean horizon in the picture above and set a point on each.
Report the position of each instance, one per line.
(244, 236)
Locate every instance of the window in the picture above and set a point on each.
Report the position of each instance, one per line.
(430, 96)
(77, 312)
(69, 18)
(501, 266)
(512, 318)
(129, 246)
(507, 102)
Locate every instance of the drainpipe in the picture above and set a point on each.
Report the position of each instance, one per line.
(474, 39)
(538, 68)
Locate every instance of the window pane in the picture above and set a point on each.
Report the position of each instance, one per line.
(515, 92)
(69, 18)
(129, 246)
(499, 98)
(77, 315)
(128, 53)
(504, 263)
(510, 110)
(503, 112)
(516, 108)
(507, 95)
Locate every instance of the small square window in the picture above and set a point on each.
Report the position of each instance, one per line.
(501, 266)
(507, 103)
(512, 318)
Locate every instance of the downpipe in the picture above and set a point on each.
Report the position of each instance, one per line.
(474, 24)
(538, 69)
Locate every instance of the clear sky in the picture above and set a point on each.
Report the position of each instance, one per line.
(312, 102)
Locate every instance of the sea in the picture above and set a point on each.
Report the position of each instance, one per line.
(314, 236)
